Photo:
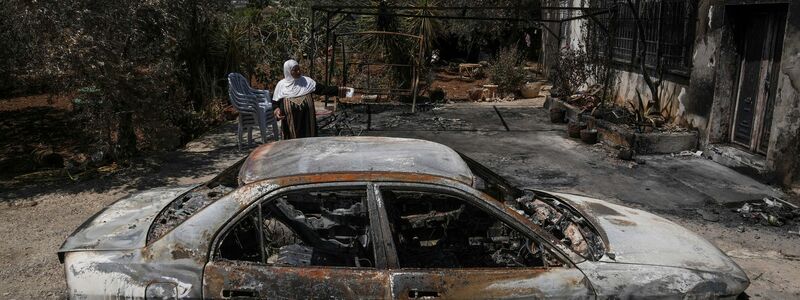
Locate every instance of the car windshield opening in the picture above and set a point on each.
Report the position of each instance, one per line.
(562, 221)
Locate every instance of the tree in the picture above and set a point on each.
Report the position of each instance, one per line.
(654, 104)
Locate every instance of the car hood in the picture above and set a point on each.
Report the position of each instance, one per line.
(638, 237)
(122, 225)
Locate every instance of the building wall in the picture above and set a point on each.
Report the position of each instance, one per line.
(784, 144)
(704, 101)
(699, 98)
(672, 94)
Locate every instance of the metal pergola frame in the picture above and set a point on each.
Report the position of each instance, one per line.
(415, 66)
(347, 11)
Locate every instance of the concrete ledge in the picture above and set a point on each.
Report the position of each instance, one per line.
(573, 113)
(753, 165)
(665, 142)
(642, 143)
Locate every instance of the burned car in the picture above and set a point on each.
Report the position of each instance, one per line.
(374, 217)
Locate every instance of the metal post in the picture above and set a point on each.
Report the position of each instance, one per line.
(657, 59)
(313, 55)
(344, 66)
(416, 75)
(327, 56)
(332, 67)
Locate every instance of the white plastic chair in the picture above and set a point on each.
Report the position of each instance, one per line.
(255, 109)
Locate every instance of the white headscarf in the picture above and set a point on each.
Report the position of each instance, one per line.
(289, 86)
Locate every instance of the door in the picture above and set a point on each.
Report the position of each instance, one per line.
(448, 245)
(758, 35)
(301, 244)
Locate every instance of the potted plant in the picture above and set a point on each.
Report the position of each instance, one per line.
(574, 129)
(589, 135)
(557, 115)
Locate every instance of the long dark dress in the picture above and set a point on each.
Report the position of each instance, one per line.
(300, 117)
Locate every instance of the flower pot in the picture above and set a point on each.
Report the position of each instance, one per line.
(531, 90)
(574, 129)
(589, 136)
(557, 115)
(626, 154)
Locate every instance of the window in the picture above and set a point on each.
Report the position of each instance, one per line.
(432, 230)
(308, 228)
(668, 32)
(242, 242)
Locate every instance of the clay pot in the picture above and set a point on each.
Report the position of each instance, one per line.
(626, 154)
(475, 94)
(589, 136)
(557, 115)
(531, 90)
(574, 129)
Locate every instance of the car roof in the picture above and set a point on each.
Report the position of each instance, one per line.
(323, 155)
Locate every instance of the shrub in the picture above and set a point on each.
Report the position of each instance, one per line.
(437, 95)
(570, 72)
(506, 70)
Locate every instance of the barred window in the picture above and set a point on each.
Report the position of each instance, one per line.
(668, 32)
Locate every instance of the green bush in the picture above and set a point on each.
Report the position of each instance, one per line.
(570, 72)
(506, 70)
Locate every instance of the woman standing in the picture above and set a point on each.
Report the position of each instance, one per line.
(294, 103)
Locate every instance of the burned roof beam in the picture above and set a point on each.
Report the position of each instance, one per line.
(449, 17)
(324, 7)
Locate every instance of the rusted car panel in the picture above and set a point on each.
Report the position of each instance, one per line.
(122, 225)
(273, 282)
(353, 154)
(514, 283)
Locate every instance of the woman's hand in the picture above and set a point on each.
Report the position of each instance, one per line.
(343, 91)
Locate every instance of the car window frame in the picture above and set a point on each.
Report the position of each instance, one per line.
(380, 256)
(484, 173)
(568, 259)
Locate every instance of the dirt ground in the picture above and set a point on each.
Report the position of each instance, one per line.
(37, 134)
(37, 217)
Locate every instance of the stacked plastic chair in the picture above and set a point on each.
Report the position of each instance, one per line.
(255, 109)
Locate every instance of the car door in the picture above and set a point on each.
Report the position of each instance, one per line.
(309, 242)
(450, 244)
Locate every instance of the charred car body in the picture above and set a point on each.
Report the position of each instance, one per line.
(370, 217)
